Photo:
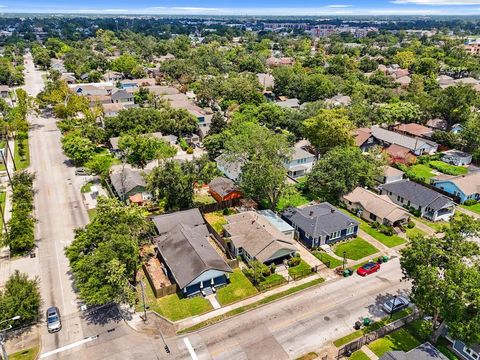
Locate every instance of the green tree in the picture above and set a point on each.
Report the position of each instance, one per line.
(77, 148)
(218, 124)
(455, 102)
(341, 170)
(445, 278)
(328, 129)
(140, 149)
(104, 255)
(100, 165)
(405, 59)
(125, 64)
(402, 111)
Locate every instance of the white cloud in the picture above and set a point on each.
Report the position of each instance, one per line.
(437, 2)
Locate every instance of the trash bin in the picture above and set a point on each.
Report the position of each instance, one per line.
(346, 273)
(385, 258)
(380, 260)
(358, 325)
(350, 271)
(367, 321)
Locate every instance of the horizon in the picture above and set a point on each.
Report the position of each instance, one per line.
(333, 8)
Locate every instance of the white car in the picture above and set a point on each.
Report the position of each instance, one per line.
(54, 323)
(395, 304)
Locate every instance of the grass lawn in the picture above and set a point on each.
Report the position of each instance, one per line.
(414, 231)
(292, 197)
(21, 162)
(437, 226)
(359, 355)
(355, 249)
(299, 271)
(203, 199)
(217, 220)
(271, 281)
(423, 171)
(448, 168)
(328, 260)
(398, 340)
(91, 213)
(309, 356)
(27, 354)
(475, 208)
(239, 288)
(3, 198)
(87, 187)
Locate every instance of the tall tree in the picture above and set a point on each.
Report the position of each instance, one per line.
(218, 124)
(140, 149)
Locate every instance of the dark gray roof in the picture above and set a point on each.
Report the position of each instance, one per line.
(418, 194)
(426, 351)
(121, 94)
(222, 186)
(167, 222)
(125, 179)
(320, 219)
(184, 246)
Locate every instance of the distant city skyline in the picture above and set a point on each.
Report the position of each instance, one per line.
(246, 7)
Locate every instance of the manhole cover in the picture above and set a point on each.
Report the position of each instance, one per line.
(326, 318)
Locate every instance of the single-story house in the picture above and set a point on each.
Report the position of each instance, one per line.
(301, 163)
(390, 174)
(280, 224)
(112, 76)
(185, 250)
(112, 109)
(4, 91)
(127, 181)
(414, 129)
(122, 96)
(416, 145)
(437, 124)
(231, 168)
(224, 189)
(267, 81)
(373, 207)
(364, 139)
(456, 157)
(398, 154)
(464, 351)
(320, 224)
(338, 100)
(465, 187)
(292, 103)
(431, 204)
(255, 238)
(426, 351)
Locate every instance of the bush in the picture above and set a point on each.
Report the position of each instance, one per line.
(183, 144)
(387, 230)
(375, 224)
(294, 261)
(273, 267)
(470, 202)
(256, 272)
(190, 150)
(410, 224)
(447, 168)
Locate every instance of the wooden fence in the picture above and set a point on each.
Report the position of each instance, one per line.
(208, 208)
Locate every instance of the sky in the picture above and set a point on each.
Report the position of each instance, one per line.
(246, 7)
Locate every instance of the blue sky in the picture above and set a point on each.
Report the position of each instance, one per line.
(247, 7)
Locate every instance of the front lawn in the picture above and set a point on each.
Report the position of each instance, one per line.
(400, 340)
(414, 232)
(437, 226)
(91, 213)
(475, 208)
(300, 271)
(203, 199)
(271, 281)
(355, 249)
(423, 171)
(447, 168)
(174, 307)
(327, 259)
(27, 354)
(216, 219)
(87, 187)
(359, 355)
(239, 288)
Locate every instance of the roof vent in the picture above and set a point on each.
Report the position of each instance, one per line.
(311, 213)
(332, 210)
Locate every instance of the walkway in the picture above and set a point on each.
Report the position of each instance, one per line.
(373, 241)
(306, 255)
(425, 228)
(369, 352)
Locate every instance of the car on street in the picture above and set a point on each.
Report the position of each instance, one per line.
(81, 172)
(368, 268)
(54, 323)
(396, 303)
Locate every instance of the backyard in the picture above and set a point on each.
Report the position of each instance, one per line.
(239, 288)
(355, 249)
(292, 197)
(397, 340)
(216, 219)
(427, 170)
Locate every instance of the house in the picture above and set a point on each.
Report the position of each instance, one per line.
(390, 174)
(456, 128)
(254, 238)
(68, 77)
(338, 100)
(437, 124)
(112, 76)
(231, 168)
(4, 91)
(416, 145)
(122, 96)
(224, 189)
(373, 207)
(280, 224)
(135, 83)
(301, 163)
(267, 81)
(283, 61)
(426, 351)
(111, 109)
(464, 187)
(288, 103)
(320, 224)
(184, 248)
(456, 157)
(431, 204)
(399, 155)
(414, 129)
(128, 181)
(464, 351)
(364, 139)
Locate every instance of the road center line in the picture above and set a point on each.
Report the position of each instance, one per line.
(190, 349)
(69, 346)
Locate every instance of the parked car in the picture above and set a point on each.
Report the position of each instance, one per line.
(54, 323)
(368, 268)
(81, 172)
(395, 304)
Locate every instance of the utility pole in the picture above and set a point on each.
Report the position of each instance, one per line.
(2, 331)
(344, 260)
(143, 300)
(6, 168)
(10, 153)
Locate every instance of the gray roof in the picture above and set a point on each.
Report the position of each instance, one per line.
(418, 194)
(299, 153)
(318, 220)
(187, 252)
(125, 179)
(166, 222)
(392, 137)
(426, 351)
(222, 186)
(121, 94)
(457, 153)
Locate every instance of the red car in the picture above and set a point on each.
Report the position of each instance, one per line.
(368, 268)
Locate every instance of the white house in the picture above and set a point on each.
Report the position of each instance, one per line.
(456, 157)
(301, 163)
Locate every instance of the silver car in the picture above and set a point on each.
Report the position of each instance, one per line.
(54, 323)
(395, 304)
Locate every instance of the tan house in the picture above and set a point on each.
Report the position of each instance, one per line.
(373, 207)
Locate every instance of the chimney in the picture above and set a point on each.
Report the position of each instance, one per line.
(311, 213)
(332, 210)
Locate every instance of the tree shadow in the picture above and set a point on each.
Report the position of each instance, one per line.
(102, 315)
(376, 309)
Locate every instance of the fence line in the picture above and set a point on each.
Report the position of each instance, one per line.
(219, 206)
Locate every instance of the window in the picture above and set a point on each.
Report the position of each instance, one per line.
(350, 230)
(373, 217)
(470, 352)
(335, 235)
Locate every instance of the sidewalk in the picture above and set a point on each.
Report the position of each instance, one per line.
(425, 228)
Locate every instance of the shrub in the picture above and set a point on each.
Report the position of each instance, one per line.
(190, 150)
(375, 224)
(470, 202)
(387, 230)
(410, 224)
(183, 144)
(273, 267)
(294, 261)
